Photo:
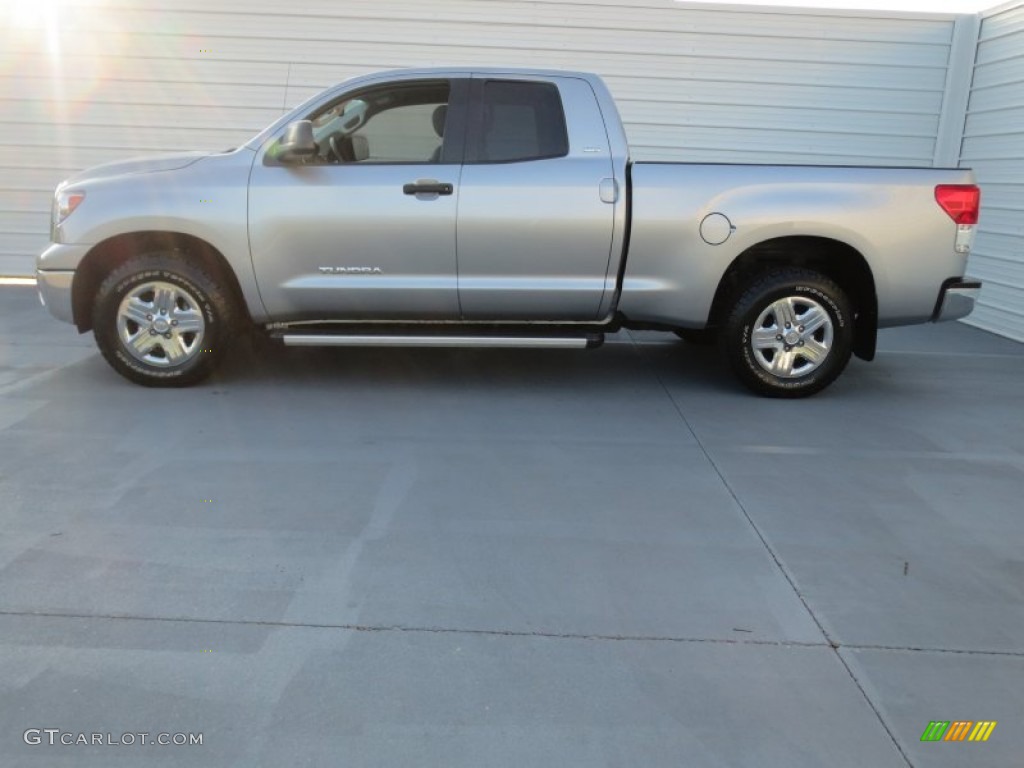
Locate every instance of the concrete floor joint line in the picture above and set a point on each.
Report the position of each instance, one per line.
(414, 629)
(508, 633)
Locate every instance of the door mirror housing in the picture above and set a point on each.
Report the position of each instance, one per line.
(297, 144)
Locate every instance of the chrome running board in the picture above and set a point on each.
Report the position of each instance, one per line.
(417, 340)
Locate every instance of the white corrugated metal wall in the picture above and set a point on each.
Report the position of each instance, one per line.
(994, 146)
(694, 82)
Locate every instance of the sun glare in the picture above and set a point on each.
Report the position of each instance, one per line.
(33, 14)
(42, 16)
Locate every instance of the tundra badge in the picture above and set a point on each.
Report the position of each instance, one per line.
(351, 270)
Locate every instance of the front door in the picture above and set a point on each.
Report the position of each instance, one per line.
(366, 229)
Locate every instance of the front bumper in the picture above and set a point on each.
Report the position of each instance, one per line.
(55, 292)
(55, 272)
(956, 299)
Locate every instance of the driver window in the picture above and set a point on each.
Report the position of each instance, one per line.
(390, 124)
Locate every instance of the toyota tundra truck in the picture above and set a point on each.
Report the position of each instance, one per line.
(497, 208)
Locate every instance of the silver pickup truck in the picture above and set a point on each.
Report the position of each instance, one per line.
(497, 207)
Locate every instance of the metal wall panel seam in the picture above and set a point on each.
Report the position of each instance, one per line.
(959, 77)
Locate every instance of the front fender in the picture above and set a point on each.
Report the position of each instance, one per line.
(207, 200)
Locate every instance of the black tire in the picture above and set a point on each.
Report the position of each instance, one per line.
(761, 309)
(699, 337)
(198, 300)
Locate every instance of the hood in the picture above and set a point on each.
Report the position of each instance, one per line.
(137, 165)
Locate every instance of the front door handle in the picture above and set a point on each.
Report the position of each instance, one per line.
(428, 188)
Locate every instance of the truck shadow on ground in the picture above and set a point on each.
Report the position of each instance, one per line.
(619, 363)
(645, 369)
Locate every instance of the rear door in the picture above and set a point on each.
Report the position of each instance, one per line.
(537, 201)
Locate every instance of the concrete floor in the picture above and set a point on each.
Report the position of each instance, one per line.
(494, 558)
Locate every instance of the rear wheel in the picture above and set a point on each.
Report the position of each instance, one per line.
(161, 321)
(789, 334)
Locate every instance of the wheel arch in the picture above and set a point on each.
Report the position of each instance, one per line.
(838, 261)
(107, 255)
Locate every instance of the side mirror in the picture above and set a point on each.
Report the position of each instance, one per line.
(297, 144)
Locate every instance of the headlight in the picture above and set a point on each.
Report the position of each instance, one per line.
(65, 205)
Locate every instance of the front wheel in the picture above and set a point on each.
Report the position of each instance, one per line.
(161, 321)
(790, 333)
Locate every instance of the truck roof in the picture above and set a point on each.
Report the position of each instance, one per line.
(489, 71)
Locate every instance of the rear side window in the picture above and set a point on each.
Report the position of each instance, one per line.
(521, 121)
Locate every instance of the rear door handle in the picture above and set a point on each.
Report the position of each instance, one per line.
(428, 188)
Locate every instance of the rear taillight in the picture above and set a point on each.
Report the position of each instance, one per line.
(961, 201)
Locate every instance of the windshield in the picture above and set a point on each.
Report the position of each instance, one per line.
(292, 114)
